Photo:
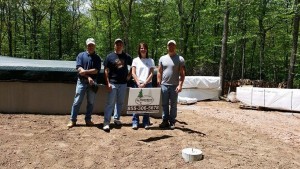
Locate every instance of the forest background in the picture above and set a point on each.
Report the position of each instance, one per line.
(233, 39)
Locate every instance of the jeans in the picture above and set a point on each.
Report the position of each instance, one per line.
(83, 87)
(116, 96)
(169, 96)
(146, 116)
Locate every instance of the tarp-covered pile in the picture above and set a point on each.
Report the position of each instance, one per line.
(19, 69)
(201, 87)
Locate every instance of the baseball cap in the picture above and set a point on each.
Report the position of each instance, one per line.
(171, 41)
(118, 40)
(90, 41)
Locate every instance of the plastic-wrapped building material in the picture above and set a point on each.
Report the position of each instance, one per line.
(274, 98)
(201, 82)
(201, 87)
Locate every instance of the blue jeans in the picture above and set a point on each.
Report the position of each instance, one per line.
(116, 96)
(146, 116)
(169, 96)
(83, 87)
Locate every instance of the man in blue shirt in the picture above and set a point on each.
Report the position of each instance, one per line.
(88, 65)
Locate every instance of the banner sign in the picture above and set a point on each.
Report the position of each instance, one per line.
(143, 100)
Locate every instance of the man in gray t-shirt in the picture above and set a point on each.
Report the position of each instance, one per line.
(170, 76)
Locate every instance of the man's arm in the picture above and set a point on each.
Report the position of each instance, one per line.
(129, 74)
(159, 73)
(181, 79)
(85, 73)
(106, 78)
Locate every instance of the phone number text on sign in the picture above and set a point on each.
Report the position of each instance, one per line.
(143, 108)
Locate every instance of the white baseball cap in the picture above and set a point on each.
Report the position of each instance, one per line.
(118, 40)
(90, 41)
(171, 41)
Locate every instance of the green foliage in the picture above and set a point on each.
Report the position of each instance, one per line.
(196, 25)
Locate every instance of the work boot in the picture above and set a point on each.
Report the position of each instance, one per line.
(89, 123)
(164, 124)
(117, 122)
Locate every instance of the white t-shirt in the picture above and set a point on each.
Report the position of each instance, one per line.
(142, 67)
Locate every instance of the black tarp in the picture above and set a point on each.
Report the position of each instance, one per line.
(33, 70)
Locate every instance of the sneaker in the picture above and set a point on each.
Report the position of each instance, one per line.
(147, 127)
(134, 127)
(71, 124)
(164, 124)
(106, 127)
(89, 123)
(172, 126)
(117, 122)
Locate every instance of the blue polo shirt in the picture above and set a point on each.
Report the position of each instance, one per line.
(88, 61)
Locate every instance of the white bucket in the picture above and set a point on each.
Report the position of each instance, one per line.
(192, 154)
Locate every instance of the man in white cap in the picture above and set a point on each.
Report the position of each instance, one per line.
(170, 76)
(88, 65)
(116, 75)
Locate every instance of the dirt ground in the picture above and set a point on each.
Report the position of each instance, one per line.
(229, 137)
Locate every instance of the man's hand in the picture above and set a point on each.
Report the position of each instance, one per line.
(178, 88)
(109, 87)
(91, 81)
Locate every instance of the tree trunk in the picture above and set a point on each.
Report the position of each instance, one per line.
(224, 47)
(243, 28)
(109, 17)
(294, 47)
(125, 20)
(262, 34)
(262, 52)
(9, 29)
(24, 53)
(60, 37)
(16, 33)
(157, 29)
(50, 29)
(2, 18)
(243, 57)
(186, 21)
(34, 31)
(233, 67)
(216, 34)
(253, 48)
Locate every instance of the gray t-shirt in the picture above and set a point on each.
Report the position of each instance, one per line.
(171, 69)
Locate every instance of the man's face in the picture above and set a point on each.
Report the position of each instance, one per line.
(172, 48)
(119, 46)
(91, 48)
